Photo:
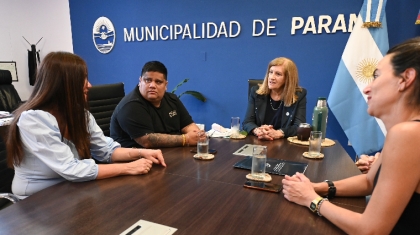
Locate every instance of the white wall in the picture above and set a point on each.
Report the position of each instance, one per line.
(49, 19)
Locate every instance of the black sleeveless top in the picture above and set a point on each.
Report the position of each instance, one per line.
(408, 223)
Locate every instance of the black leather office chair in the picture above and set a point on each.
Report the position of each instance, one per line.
(253, 82)
(6, 176)
(102, 101)
(9, 98)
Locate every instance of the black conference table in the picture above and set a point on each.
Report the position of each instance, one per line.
(194, 196)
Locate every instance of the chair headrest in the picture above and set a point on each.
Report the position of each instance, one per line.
(5, 77)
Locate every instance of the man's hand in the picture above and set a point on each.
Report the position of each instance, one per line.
(192, 137)
(191, 133)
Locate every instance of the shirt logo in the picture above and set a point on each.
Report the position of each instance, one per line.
(172, 113)
(103, 35)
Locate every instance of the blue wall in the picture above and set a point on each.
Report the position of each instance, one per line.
(220, 67)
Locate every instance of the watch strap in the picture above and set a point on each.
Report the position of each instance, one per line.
(331, 189)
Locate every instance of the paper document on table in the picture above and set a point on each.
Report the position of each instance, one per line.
(143, 227)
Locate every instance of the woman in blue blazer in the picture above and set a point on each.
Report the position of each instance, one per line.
(278, 106)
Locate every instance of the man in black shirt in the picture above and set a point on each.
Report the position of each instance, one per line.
(150, 117)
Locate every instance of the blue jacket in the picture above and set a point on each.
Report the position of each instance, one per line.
(292, 116)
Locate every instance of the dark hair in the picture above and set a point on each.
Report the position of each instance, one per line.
(155, 66)
(407, 55)
(59, 90)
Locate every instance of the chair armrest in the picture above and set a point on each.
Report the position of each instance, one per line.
(10, 197)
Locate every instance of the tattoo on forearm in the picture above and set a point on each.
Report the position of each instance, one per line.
(164, 140)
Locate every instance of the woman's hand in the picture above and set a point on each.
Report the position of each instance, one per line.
(365, 162)
(257, 131)
(274, 134)
(298, 189)
(137, 167)
(140, 166)
(267, 132)
(262, 133)
(155, 155)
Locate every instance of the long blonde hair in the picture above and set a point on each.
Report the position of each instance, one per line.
(291, 83)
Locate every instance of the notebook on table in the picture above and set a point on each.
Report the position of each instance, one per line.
(275, 166)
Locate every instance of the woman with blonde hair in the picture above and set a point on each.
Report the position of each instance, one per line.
(54, 137)
(278, 106)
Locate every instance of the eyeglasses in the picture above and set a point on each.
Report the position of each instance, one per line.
(149, 80)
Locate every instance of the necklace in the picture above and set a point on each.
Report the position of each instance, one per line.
(271, 104)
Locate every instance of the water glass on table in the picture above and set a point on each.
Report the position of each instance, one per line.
(259, 159)
(202, 145)
(315, 140)
(235, 125)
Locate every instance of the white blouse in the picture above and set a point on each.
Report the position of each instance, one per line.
(48, 160)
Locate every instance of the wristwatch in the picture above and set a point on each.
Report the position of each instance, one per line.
(314, 204)
(331, 189)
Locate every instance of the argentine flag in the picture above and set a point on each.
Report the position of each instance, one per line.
(365, 48)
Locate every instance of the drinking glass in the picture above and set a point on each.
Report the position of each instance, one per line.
(203, 145)
(235, 124)
(315, 140)
(259, 159)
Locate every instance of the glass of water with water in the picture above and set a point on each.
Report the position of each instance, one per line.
(315, 140)
(259, 159)
(202, 144)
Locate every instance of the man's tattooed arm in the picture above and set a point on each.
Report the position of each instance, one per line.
(156, 140)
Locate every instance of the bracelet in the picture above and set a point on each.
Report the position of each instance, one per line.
(135, 148)
(331, 189)
(282, 132)
(254, 131)
(188, 142)
(319, 206)
(183, 140)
